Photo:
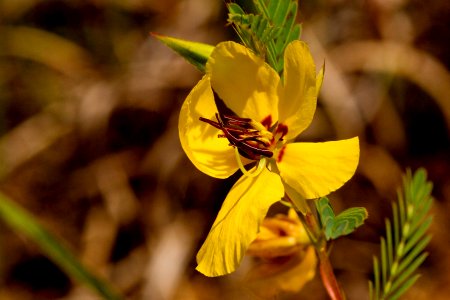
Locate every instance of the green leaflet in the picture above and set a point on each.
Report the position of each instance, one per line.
(268, 30)
(267, 33)
(342, 224)
(402, 250)
(194, 52)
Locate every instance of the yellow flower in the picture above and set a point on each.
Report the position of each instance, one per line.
(281, 235)
(288, 261)
(242, 112)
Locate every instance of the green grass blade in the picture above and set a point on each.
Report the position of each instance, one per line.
(405, 286)
(396, 224)
(24, 223)
(418, 234)
(412, 255)
(400, 280)
(383, 262)
(390, 254)
(376, 273)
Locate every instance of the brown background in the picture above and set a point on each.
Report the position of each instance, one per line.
(89, 142)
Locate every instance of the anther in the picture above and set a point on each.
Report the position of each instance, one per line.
(251, 138)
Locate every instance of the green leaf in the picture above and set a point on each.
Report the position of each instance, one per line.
(405, 286)
(326, 215)
(347, 221)
(268, 30)
(383, 262)
(281, 12)
(24, 223)
(194, 52)
(406, 274)
(415, 237)
(343, 224)
(403, 250)
(376, 273)
(235, 9)
(395, 217)
(413, 254)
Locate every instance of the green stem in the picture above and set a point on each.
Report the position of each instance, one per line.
(319, 242)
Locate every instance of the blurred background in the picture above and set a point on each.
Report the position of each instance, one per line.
(89, 104)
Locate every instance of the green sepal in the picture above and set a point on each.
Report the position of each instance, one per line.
(344, 223)
(194, 52)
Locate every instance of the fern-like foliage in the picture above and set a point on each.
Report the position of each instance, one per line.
(402, 250)
(268, 31)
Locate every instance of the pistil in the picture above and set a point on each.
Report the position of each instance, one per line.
(261, 165)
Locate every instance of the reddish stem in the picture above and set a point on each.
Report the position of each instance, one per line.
(326, 270)
(328, 278)
(319, 241)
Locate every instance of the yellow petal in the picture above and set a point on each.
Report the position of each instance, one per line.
(298, 200)
(316, 169)
(246, 84)
(237, 223)
(281, 235)
(210, 154)
(270, 279)
(298, 97)
(277, 247)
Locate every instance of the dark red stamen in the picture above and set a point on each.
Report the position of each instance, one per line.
(236, 119)
(267, 122)
(241, 134)
(210, 122)
(281, 129)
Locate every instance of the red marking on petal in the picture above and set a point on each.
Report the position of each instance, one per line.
(282, 130)
(281, 154)
(267, 121)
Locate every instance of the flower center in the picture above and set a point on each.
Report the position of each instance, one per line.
(251, 139)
